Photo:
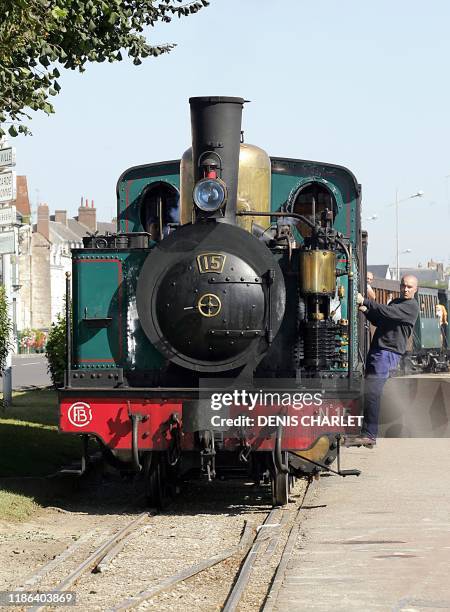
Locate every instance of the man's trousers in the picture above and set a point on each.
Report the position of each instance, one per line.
(379, 363)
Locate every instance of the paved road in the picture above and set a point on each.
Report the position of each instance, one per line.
(29, 370)
(378, 542)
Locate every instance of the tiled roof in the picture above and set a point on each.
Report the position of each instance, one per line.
(379, 271)
(62, 233)
(103, 227)
(424, 275)
(74, 231)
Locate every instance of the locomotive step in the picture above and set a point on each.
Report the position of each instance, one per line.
(349, 473)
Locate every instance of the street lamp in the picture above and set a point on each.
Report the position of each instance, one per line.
(418, 194)
(447, 176)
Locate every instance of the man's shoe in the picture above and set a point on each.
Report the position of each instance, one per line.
(361, 441)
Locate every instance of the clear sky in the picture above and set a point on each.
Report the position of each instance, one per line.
(360, 83)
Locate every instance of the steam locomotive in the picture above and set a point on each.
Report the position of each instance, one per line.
(232, 275)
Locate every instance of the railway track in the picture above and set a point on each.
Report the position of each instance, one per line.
(92, 562)
(243, 578)
(257, 547)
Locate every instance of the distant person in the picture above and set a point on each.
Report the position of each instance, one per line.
(394, 323)
(370, 292)
(441, 313)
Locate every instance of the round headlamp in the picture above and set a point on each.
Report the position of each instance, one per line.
(209, 194)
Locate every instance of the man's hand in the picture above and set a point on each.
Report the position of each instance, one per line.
(371, 293)
(360, 299)
(363, 308)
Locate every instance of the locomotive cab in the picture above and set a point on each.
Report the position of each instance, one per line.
(159, 209)
(312, 200)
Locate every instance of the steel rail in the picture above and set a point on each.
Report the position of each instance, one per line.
(275, 538)
(102, 565)
(278, 578)
(40, 573)
(240, 585)
(201, 566)
(95, 557)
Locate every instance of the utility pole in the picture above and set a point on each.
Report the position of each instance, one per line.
(447, 197)
(8, 246)
(397, 261)
(418, 194)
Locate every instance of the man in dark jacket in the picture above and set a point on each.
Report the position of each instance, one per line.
(394, 323)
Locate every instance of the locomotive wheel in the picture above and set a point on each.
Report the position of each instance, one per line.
(154, 480)
(291, 478)
(280, 489)
(281, 484)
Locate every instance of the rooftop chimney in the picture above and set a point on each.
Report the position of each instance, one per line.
(22, 200)
(43, 221)
(88, 216)
(61, 216)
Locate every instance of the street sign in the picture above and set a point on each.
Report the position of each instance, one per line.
(7, 157)
(7, 242)
(7, 186)
(8, 215)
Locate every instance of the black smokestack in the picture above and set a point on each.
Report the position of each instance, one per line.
(216, 129)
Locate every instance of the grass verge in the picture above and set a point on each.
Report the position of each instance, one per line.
(30, 446)
(16, 507)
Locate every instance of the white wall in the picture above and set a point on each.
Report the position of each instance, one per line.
(60, 263)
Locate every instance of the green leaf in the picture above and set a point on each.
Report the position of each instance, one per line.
(37, 34)
(13, 132)
(113, 18)
(5, 327)
(59, 13)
